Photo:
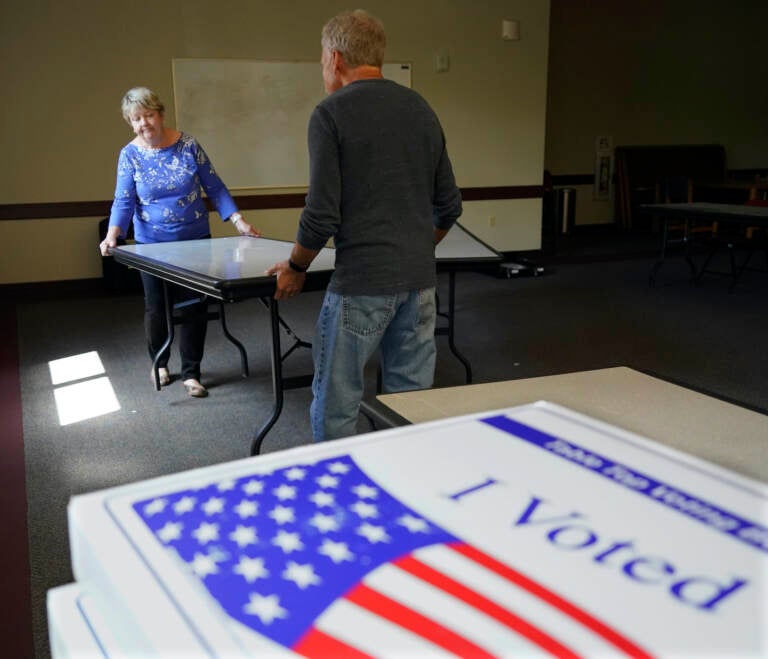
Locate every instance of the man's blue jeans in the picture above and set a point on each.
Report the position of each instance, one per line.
(349, 330)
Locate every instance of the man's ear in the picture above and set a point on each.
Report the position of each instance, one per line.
(338, 62)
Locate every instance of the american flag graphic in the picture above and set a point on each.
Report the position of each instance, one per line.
(324, 561)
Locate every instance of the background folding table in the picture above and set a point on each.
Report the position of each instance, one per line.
(700, 211)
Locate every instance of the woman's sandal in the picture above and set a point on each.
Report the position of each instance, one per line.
(164, 376)
(195, 389)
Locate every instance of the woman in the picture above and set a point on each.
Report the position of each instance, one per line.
(161, 175)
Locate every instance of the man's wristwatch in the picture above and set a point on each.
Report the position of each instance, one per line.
(296, 267)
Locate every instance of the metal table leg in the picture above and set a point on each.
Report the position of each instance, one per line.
(277, 378)
(450, 330)
(686, 240)
(279, 383)
(169, 339)
(233, 340)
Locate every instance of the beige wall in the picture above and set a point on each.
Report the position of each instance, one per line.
(655, 72)
(661, 71)
(66, 65)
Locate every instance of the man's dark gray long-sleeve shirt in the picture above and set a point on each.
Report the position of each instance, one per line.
(380, 182)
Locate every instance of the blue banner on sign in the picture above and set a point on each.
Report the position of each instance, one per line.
(736, 526)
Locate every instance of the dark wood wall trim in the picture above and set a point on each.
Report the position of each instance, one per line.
(245, 202)
(589, 179)
(54, 210)
(43, 211)
(503, 192)
(573, 179)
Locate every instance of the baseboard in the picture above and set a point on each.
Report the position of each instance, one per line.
(602, 228)
(51, 290)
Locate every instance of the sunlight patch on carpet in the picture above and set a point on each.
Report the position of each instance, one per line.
(88, 396)
(77, 367)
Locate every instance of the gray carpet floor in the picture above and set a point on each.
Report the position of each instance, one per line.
(575, 317)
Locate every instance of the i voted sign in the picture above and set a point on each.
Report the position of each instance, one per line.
(532, 531)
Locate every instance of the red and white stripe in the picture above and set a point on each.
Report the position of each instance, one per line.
(455, 601)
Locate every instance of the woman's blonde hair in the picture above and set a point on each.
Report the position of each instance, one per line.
(140, 97)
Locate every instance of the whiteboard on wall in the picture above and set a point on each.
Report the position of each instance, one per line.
(251, 116)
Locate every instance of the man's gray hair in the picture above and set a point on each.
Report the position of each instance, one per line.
(358, 36)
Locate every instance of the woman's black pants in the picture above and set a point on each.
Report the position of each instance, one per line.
(192, 329)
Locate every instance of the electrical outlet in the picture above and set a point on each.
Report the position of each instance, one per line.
(492, 221)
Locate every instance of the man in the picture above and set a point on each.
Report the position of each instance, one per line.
(382, 186)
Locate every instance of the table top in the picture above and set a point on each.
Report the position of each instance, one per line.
(733, 184)
(712, 429)
(521, 531)
(227, 268)
(460, 246)
(704, 209)
(233, 268)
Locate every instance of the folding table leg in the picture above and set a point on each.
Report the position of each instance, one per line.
(277, 378)
(169, 339)
(450, 329)
(234, 341)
